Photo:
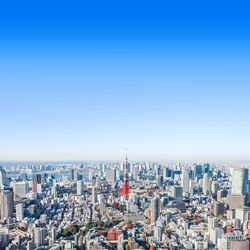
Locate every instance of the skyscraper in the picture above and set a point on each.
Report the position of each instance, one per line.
(198, 171)
(80, 188)
(240, 181)
(206, 184)
(3, 179)
(98, 182)
(94, 195)
(54, 190)
(136, 172)
(90, 174)
(218, 208)
(20, 189)
(36, 180)
(6, 204)
(71, 174)
(111, 175)
(160, 180)
(177, 193)
(155, 209)
(185, 180)
(19, 212)
(76, 175)
(53, 233)
(206, 167)
(39, 236)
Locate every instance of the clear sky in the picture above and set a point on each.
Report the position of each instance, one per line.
(83, 80)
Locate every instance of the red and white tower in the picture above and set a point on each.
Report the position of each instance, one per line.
(125, 189)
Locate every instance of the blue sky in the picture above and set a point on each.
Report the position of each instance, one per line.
(169, 80)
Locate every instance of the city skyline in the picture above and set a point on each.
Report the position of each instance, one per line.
(83, 81)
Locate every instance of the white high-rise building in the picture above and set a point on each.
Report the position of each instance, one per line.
(240, 181)
(21, 189)
(80, 188)
(53, 233)
(3, 179)
(213, 222)
(94, 195)
(214, 234)
(39, 234)
(54, 191)
(90, 174)
(98, 182)
(158, 233)
(206, 184)
(75, 175)
(136, 172)
(185, 180)
(19, 212)
(111, 176)
(39, 188)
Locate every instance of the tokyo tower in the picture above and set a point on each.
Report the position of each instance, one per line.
(125, 189)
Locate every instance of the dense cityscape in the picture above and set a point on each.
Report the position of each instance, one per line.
(81, 81)
(125, 205)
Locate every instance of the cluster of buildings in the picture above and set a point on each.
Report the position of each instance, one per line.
(122, 205)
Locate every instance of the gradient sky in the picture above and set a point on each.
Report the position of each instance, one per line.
(83, 80)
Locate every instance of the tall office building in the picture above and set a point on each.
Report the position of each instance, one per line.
(206, 184)
(20, 189)
(54, 190)
(76, 239)
(213, 222)
(98, 182)
(36, 180)
(167, 173)
(177, 193)
(158, 233)
(71, 174)
(100, 171)
(160, 180)
(198, 171)
(206, 167)
(76, 174)
(39, 234)
(215, 187)
(94, 195)
(3, 179)
(90, 174)
(53, 233)
(111, 175)
(240, 181)
(136, 173)
(80, 188)
(155, 209)
(19, 212)
(185, 180)
(6, 204)
(219, 208)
